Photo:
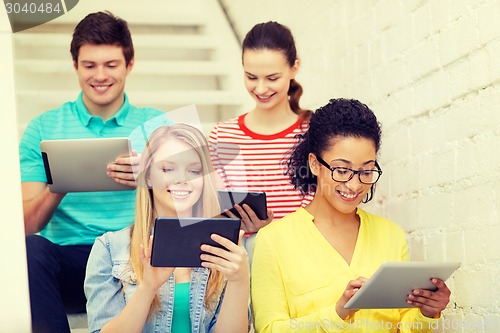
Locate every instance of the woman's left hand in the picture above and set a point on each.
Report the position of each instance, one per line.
(431, 303)
(232, 263)
(152, 277)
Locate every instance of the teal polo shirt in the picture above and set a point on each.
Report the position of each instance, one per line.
(83, 216)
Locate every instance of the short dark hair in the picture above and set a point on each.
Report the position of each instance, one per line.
(277, 37)
(102, 28)
(339, 118)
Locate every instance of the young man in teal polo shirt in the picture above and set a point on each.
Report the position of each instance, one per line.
(61, 228)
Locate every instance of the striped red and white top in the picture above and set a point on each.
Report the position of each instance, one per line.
(249, 161)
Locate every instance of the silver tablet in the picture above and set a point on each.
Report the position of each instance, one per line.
(391, 284)
(79, 165)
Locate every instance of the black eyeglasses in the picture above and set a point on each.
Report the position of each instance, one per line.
(343, 175)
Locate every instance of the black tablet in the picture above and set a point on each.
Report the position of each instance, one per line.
(176, 242)
(256, 200)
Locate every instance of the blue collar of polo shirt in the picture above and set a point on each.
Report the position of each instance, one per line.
(85, 116)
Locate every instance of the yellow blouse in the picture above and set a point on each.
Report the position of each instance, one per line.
(298, 277)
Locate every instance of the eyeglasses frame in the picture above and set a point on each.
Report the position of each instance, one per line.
(354, 172)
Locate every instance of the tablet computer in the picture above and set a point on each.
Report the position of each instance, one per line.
(176, 242)
(256, 200)
(391, 284)
(79, 165)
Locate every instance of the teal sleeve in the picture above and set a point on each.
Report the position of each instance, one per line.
(32, 169)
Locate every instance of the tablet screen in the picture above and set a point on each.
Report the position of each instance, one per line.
(176, 242)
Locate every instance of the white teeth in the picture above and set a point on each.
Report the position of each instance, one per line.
(180, 193)
(348, 196)
(102, 87)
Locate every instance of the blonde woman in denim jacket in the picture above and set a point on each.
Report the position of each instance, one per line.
(126, 294)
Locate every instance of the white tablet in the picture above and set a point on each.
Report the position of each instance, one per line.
(79, 165)
(391, 284)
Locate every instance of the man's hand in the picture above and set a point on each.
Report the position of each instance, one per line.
(122, 169)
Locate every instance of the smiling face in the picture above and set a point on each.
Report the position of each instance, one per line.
(267, 77)
(102, 71)
(349, 152)
(176, 178)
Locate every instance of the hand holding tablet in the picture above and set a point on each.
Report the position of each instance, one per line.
(391, 284)
(177, 242)
(256, 201)
(80, 165)
(124, 169)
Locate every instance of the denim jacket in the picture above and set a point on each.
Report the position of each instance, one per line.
(110, 282)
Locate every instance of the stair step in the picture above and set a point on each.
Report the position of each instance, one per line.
(144, 11)
(150, 46)
(211, 97)
(158, 41)
(150, 67)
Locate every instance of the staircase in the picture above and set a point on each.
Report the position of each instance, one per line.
(185, 53)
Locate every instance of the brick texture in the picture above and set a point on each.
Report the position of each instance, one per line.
(430, 69)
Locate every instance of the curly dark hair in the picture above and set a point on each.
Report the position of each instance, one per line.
(102, 28)
(339, 118)
(277, 37)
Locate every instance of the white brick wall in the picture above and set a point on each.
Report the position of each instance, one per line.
(430, 69)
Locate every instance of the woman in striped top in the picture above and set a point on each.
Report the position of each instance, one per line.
(249, 151)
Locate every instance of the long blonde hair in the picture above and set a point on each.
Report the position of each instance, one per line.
(206, 206)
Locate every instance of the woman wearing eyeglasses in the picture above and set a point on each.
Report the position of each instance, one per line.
(307, 265)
